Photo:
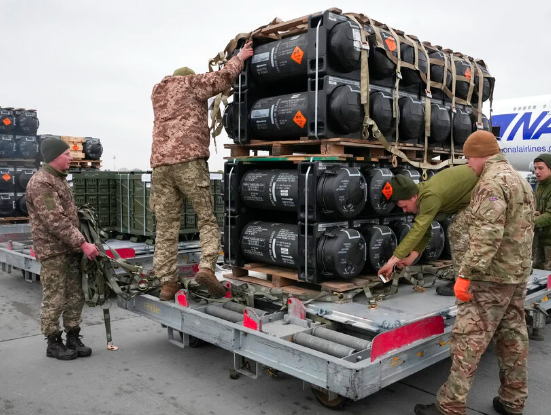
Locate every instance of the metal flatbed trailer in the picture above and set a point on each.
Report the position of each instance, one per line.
(367, 349)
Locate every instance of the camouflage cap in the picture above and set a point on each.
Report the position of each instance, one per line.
(183, 71)
(403, 188)
(545, 158)
(481, 144)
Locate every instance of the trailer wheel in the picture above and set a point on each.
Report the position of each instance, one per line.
(194, 342)
(323, 398)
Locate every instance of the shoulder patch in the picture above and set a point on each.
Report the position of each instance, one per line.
(49, 201)
(493, 198)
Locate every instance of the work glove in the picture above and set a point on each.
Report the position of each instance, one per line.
(461, 289)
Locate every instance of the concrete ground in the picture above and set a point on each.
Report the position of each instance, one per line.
(148, 375)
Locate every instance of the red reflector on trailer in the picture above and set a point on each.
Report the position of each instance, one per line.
(123, 252)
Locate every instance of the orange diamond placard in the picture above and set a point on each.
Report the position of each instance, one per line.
(468, 73)
(75, 147)
(6, 177)
(387, 191)
(6, 121)
(390, 44)
(297, 55)
(299, 119)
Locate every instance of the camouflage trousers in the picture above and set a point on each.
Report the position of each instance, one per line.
(458, 234)
(169, 185)
(541, 254)
(495, 311)
(62, 293)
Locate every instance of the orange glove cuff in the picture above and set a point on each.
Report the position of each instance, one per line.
(461, 289)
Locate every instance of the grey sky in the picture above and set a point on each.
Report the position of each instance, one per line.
(88, 67)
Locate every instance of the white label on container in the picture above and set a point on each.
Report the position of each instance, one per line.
(216, 176)
(146, 178)
(261, 57)
(260, 113)
(69, 177)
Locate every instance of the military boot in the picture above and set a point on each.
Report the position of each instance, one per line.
(500, 408)
(427, 410)
(57, 349)
(74, 343)
(446, 290)
(168, 291)
(207, 278)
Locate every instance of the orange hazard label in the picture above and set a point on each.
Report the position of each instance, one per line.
(387, 190)
(6, 121)
(297, 55)
(468, 73)
(6, 177)
(390, 44)
(75, 147)
(299, 119)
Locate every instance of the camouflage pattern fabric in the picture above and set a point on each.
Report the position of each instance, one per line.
(495, 311)
(541, 253)
(62, 294)
(459, 239)
(502, 226)
(180, 130)
(169, 186)
(52, 214)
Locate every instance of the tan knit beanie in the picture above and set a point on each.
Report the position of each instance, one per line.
(481, 144)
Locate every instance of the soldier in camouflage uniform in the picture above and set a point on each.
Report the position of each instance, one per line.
(447, 193)
(179, 160)
(58, 245)
(491, 287)
(542, 240)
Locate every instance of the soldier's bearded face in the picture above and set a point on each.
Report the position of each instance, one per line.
(541, 171)
(409, 205)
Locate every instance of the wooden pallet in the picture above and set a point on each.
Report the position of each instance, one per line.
(14, 219)
(86, 164)
(329, 149)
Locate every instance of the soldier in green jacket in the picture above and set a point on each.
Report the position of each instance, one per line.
(446, 193)
(542, 240)
(491, 286)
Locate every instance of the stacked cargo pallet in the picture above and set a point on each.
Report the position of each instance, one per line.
(121, 200)
(340, 103)
(18, 160)
(86, 151)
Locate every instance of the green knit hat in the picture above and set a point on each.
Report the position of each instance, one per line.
(183, 71)
(403, 188)
(545, 157)
(52, 148)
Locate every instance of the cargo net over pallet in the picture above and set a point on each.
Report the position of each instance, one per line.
(346, 76)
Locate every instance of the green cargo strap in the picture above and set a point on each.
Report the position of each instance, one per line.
(396, 92)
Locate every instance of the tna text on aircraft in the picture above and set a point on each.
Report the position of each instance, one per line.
(523, 128)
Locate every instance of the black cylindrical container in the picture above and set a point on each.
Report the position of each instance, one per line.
(7, 121)
(341, 191)
(26, 122)
(380, 64)
(379, 190)
(7, 205)
(401, 229)
(22, 177)
(340, 252)
(21, 204)
(485, 122)
(486, 86)
(412, 76)
(343, 50)
(27, 147)
(380, 109)
(92, 148)
(440, 123)
(283, 116)
(279, 60)
(437, 71)
(7, 179)
(381, 243)
(412, 119)
(446, 252)
(436, 243)
(7, 146)
(462, 126)
(346, 113)
(409, 172)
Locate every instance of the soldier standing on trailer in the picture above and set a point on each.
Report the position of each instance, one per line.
(491, 287)
(446, 193)
(58, 245)
(542, 239)
(179, 160)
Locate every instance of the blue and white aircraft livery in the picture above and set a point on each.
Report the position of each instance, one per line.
(523, 128)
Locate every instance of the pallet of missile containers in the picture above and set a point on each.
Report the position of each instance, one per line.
(76, 146)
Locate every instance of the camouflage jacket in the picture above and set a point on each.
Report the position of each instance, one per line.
(501, 226)
(53, 214)
(180, 129)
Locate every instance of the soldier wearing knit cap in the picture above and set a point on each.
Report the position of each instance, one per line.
(446, 193)
(491, 286)
(542, 239)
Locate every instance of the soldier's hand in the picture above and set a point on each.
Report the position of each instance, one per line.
(409, 260)
(90, 250)
(247, 51)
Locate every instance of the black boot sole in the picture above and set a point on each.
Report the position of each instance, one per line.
(62, 357)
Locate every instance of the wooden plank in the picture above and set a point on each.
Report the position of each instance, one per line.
(239, 272)
(278, 281)
(338, 286)
(253, 265)
(293, 290)
(239, 151)
(290, 24)
(281, 272)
